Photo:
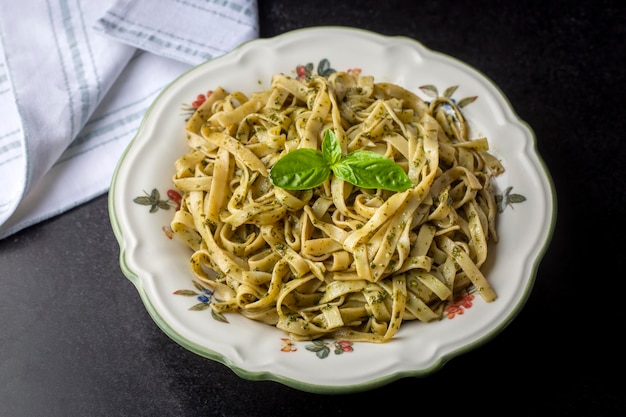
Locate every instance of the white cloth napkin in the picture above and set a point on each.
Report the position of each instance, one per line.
(76, 77)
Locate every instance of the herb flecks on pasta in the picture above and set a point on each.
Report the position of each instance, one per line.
(335, 259)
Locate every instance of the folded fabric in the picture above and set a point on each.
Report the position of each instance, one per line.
(184, 30)
(76, 78)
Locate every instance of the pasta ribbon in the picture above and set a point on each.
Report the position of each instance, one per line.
(337, 260)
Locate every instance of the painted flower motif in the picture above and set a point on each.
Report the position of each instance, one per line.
(200, 99)
(302, 72)
(168, 232)
(344, 346)
(459, 306)
(175, 196)
(288, 345)
(189, 109)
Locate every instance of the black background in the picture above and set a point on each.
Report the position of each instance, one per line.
(75, 339)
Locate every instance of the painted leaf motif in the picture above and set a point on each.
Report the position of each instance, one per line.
(143, 200)
(516, 198)
(467, 100)
(430, 90)
(155, 195)
(448, 92)
(218, 316)
(200, 307)
(187, 293)
(324, 69)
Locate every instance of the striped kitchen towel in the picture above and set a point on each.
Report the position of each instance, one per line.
(76, 77)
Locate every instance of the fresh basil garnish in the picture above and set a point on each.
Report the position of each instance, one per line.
(304, 168)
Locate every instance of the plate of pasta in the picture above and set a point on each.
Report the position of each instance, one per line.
(305, 213)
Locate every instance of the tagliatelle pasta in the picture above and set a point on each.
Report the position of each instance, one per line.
(336, 260)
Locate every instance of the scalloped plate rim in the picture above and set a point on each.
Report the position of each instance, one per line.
(135, 274)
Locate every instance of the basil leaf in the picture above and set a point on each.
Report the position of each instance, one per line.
(306, 168)
(300, 169)
(367, 169)
(331, 149)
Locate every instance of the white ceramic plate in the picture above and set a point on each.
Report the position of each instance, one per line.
(158, 264)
